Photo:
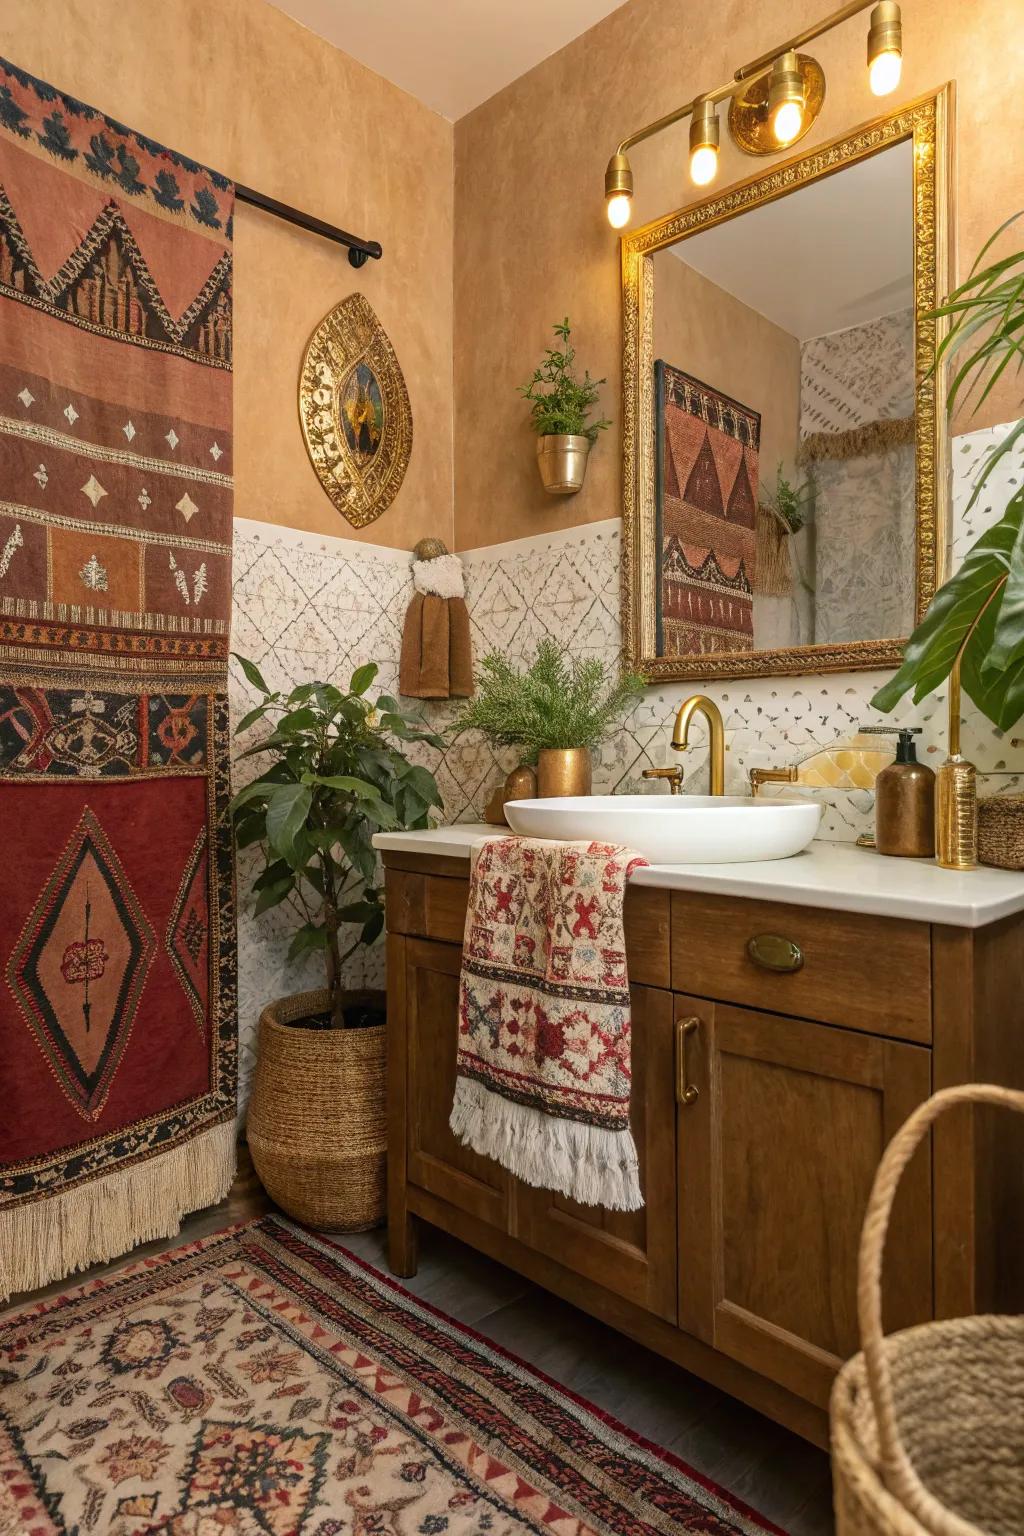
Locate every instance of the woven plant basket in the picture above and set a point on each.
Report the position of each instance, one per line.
(928, 1425)
(1001, 831)
(317, 1122)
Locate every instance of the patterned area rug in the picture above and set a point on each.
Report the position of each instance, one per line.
(265, 1383)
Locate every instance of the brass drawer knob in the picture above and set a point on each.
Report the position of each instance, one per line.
(774, 953)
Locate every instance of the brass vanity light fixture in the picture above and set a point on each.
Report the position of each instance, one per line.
(618, 189)
(885, 48)
(773, 101)
(787, 99)
(703, 143)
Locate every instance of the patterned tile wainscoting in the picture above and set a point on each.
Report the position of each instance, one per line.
(309, 607)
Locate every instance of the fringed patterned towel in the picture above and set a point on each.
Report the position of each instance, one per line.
(544, 1020)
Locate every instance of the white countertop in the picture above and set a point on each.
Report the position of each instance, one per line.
(839, 876)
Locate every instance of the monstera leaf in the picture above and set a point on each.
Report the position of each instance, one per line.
(981, 610)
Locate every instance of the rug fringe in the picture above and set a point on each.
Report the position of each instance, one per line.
(588, 1163)
(52, 1236)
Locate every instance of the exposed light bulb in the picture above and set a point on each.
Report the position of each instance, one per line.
(884, 72)
(704, 135)
(703, 165)
(619, 210)
(787, 122)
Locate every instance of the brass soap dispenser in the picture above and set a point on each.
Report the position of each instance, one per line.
(905, 801)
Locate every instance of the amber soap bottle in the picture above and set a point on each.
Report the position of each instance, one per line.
(905, 804)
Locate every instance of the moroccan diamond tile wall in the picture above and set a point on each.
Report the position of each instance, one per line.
(308, 607)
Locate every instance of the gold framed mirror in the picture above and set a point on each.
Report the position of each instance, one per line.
(785, 446)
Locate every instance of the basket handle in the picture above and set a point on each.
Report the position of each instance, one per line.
(896, 1468)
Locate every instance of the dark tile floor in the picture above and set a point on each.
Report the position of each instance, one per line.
(777, 1473)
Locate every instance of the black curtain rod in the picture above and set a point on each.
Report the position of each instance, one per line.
(358, 250)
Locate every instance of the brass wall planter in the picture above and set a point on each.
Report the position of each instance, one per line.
(564, 771)
(562, 460)
(354, 410)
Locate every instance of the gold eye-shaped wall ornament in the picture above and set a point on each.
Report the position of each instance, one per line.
(354, 410)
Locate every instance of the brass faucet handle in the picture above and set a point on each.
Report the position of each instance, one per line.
(674, 775)
(759, 776)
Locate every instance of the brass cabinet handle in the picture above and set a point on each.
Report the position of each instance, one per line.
(685, 1092)
(774, 953)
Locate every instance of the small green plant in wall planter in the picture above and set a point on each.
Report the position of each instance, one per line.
(561, 404)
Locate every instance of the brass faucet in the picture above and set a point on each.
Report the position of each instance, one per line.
(673, 774)
(759, 776)
(700, 704)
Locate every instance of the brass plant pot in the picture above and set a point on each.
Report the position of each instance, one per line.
(563, 771)
(562, 459)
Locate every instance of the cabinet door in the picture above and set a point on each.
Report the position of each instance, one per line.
(632, 1253)
(781, 1126)
(435, 1160)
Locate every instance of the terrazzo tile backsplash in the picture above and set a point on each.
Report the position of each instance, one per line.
(307, 607)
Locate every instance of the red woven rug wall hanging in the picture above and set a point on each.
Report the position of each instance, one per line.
(264, 1381)
(117, 941)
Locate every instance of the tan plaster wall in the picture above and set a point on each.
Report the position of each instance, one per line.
(533, 242)
(239, 86)
(712, 335)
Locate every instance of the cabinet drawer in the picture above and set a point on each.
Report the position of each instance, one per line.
(434, 907)
(869, 973)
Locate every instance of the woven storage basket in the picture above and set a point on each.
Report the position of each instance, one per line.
(317, 1123)
(1001, 831)
(928, 1425)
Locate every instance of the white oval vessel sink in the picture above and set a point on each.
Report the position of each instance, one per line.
(674, 829)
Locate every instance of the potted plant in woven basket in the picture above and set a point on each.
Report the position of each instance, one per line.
(561, 404)
(317, 1122)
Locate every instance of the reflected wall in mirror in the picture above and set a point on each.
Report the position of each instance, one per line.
(784, 445)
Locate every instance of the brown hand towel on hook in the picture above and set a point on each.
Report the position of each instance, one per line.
(437, 658)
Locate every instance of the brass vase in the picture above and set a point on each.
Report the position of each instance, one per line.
(563, 771)
(956, 794)
(562, 460)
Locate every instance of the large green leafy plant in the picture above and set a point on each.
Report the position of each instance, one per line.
(557, 702)
(977, 617)
(561, 402)
(337, 775)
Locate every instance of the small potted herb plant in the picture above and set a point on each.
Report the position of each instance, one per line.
(556, 712)
(561, 402)
(317, 1120)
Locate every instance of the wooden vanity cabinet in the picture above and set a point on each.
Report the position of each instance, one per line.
(777, 1150)
(762, 1102)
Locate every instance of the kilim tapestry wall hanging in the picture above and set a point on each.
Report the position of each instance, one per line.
(706, 453)
(117, 928)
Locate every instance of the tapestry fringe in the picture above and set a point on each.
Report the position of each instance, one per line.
(587, 1163)
(773, 571)
(857, 442)
(52, 1236)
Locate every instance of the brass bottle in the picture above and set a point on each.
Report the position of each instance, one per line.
(956, 814)
(956, 795)
(905, 804)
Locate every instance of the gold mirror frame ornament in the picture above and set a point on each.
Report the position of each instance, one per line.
(361, 484)
(928, 123)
